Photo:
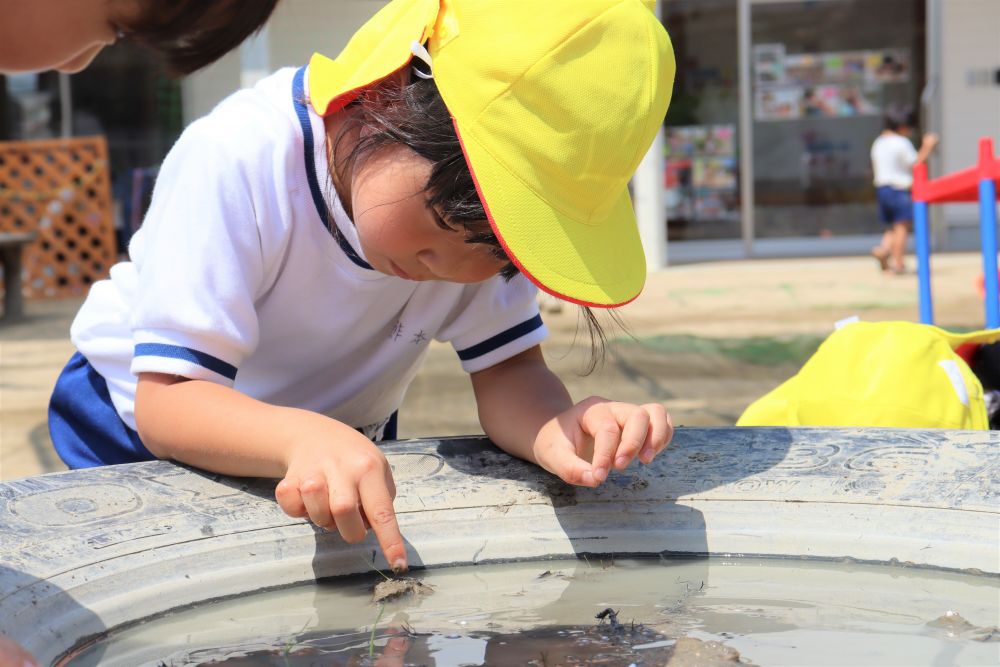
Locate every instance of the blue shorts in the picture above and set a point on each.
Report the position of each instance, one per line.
(85, 427)
(894, 205)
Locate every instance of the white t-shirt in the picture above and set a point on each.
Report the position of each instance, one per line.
(893, 157)
(234, 278)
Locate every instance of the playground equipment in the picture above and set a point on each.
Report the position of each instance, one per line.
(978, 183)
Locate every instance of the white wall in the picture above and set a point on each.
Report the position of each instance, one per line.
(970, 105)
(206, 88)
(297, 29)
(301, 27)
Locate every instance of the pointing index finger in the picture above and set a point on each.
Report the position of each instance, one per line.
(376, 502)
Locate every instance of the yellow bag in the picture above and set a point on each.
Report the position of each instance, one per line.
(898, 374)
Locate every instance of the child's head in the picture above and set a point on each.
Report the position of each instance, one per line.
(66, 35)
(901, 121)
(536, 117)
(406, 164)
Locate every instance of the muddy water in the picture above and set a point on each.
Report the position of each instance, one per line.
(682, 613)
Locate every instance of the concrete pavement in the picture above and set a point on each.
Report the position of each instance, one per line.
(684, 327)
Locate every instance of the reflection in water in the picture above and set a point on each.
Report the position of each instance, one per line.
(592, 611)
(601, 644)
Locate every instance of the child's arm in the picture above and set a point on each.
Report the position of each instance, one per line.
(525, 409)
(927, 145)
(331, 473)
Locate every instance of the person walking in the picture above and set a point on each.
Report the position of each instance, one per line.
(893, 159)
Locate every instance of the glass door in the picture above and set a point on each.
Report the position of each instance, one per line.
(701, 146)
(824, 72)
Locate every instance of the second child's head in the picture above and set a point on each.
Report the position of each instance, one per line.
(472, 138)
(66, 35)
(901, 121)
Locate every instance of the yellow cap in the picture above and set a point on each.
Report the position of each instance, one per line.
(554, 103)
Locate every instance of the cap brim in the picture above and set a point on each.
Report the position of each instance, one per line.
(594, 263)
(379, 49)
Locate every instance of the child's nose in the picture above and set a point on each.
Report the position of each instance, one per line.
(435, 261)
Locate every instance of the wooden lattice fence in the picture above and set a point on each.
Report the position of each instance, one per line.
(59, 188)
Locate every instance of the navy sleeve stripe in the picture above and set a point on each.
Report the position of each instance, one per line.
(501, 339)
(298, 98)
(213, 364)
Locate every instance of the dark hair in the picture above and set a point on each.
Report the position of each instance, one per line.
(190, 34)
(415, 116)
(897, 119)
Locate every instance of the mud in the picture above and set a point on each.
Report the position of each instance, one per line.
(393, 589)
(957, 627)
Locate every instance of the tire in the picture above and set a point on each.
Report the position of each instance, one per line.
(89, 550)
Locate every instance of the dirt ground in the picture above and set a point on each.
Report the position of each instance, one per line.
(706, 340)
(710, 338)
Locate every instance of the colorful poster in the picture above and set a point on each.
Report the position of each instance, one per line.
(716, 205)
(721, 140)
(779, 103)
(678, 195)
(714, 172)
(804, 69)
(838, 102)
(854, 66)
(769, 63)
(687, 141)
(888, 66)
(701, 175)
(832, 84)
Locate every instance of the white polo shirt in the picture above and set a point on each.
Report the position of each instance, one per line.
(235, 278)
(893, 157)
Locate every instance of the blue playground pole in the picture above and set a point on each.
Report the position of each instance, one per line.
(988, 236)
(922, 238)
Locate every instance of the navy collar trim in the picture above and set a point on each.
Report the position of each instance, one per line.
(302, 111)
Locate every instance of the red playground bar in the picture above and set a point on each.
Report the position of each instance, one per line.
(979, 183)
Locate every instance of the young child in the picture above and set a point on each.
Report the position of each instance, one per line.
(893, 159)
(309, 237)
(66, 35)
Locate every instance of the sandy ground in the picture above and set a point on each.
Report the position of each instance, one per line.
(706, 340)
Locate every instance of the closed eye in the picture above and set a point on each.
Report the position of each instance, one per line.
(438, 220)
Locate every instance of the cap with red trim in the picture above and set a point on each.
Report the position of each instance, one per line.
(555, 104)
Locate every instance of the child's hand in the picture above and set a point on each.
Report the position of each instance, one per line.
(345, 484)
(583, 443)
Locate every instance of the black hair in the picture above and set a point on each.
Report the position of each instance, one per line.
(190, 34)
(415, 116)
(897, 119)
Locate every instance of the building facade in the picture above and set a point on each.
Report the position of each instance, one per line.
(765, 147)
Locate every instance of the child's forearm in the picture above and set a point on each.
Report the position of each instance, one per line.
(516, 398)
(220, 429)
(331, 473)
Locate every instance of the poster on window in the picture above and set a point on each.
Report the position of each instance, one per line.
(769, 63)
(888, 66)
(701, 172)
(838, 102)
(779, 103)
(804, 69)
(833, 84)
